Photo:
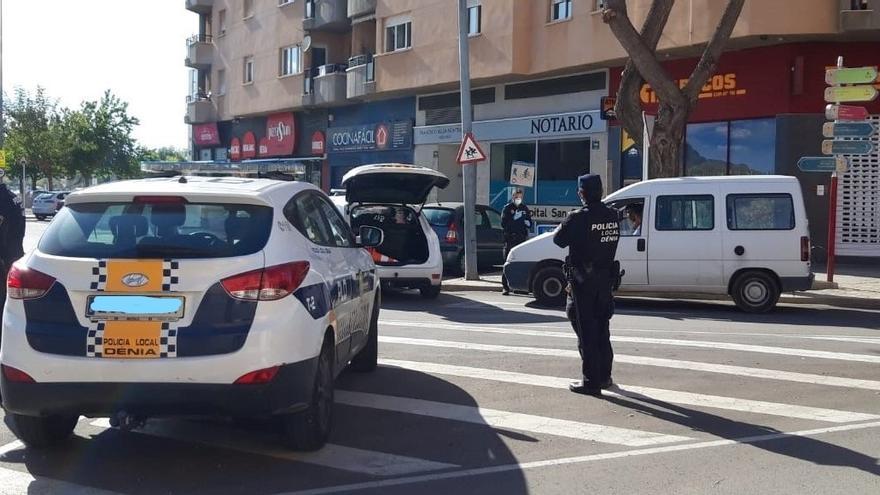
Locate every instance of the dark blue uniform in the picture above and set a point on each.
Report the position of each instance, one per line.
(12, 224)
(591, 234)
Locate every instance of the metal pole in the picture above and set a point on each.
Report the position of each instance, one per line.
(2, 120)
(469, 171)
(832, 226)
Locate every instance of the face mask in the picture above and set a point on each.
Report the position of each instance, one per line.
(517, 201)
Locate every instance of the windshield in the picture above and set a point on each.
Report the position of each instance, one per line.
(438, 217)
(163, 230)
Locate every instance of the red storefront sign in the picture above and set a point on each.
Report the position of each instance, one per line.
(318, 143)
(280, 134)
(206, 134)
(248, 146)
(235, 150)
(263, 148)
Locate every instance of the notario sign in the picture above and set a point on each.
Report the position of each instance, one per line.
(582, 122)
(574, 124)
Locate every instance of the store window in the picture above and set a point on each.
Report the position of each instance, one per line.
(559, 165)
(742, 147)
(705, 151)
(502, 156)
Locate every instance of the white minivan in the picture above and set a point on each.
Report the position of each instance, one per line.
(746, 236)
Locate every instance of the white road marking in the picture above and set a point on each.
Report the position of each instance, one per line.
(507, 420)
(567, 461)
(333, 456)
(14, 482)
(633, 392)
(786, 351)
(725, 369)
(9, 447)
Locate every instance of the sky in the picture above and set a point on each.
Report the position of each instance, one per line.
(77, 49)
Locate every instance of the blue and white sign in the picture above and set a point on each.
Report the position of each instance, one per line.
(535, 127)
(381, 136)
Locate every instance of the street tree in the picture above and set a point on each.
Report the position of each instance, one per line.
(163, 154)
(675, 102)
(33, 136)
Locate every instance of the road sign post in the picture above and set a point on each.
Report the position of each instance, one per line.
(469, 169)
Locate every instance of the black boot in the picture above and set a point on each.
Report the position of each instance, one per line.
(584, 387)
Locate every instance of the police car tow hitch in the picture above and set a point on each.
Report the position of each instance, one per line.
(127, 422)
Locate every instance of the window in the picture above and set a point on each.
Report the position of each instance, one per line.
(398, 34)
(632, 213)
(501, 158)
(339, 230)
(594, 81)
(248, 70)
(600, 5)
(494, 219)
(560, 10)
(475, 19)
(760, 212)
(438, 217)
(221, 82)
(247, 9)
(291, 60)
(559, 165)
(741, 147)
(282, 3)
(304, 212)
(685, 212)
(706, 149)
(221, 22)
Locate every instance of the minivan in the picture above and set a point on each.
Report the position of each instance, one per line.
(447, 220)
(745, 236)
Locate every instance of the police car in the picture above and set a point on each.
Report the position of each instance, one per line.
(189, 295)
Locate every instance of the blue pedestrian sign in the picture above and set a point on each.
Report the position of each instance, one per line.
(848, 129)
(823, 164)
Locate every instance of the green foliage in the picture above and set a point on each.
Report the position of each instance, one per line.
(33, 125)
(164, 154)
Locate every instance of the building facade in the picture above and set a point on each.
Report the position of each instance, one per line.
(333, 84)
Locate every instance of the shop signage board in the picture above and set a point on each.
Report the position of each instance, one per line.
(830, 147)
(848, 129)
(522, 174)
(542, 213)
(470, 151)
(380, 136)
(535, 127)
(840, 94)
(851, 75)
(846, 112)
(823, 164)
(206, 134)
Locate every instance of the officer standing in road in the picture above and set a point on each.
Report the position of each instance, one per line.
(516, 220)
(12, 223)
(591, 234)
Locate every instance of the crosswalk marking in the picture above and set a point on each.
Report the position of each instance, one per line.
(14, 482)
(507, 420)
(769, 374)
(843, 356)
(633, 392)
(333, 456)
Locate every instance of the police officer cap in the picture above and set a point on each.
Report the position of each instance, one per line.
(590, 183)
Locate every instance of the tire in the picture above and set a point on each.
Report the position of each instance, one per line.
(430, 292)
(309, 430)
(43, 432)
(367, 358)
(40, 218)
(755, 292)
(548, 286)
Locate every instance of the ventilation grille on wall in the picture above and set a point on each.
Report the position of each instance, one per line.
(858, 204)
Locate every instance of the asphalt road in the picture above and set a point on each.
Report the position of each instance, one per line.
(471, 397)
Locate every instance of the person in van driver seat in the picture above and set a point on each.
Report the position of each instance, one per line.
(634, 213)
(591, 234)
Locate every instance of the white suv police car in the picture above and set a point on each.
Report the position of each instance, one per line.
(221, 296)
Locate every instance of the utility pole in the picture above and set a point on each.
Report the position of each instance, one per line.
(469, 170)
(2, 120)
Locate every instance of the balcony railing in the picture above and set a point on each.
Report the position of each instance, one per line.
(859, 15)
(200, 108)
(200, 6)
(326, 15)
(361, 8)
(360, 76)
(324, 85)
(199, 51)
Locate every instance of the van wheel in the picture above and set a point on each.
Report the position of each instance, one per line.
(40, 432)
(549, 286)
(368, 357)
(309, 430)
(430, 292)
(755, 292)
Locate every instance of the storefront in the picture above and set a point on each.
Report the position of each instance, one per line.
(374, 132)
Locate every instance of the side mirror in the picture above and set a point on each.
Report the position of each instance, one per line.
(369, 237)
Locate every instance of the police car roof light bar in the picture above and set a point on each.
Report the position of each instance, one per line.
(274, 169)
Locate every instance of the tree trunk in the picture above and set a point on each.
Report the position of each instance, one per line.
(665, 156)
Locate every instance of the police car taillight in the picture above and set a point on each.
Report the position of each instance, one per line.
(26, 283)
(269, 284)
(16, 375)
(257, 377)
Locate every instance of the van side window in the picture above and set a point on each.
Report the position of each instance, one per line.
(760, 212)
(631, 215)
(696, 212)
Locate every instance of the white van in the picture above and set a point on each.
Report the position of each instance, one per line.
(746, 236)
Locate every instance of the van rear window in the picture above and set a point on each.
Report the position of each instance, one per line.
(157, 230)
(692, 212)
(760, 212)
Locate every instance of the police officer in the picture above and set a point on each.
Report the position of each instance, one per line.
(12, 224)
(516, 220)
(591, 234)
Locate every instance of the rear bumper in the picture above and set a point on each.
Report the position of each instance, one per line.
(792, 284)
(409, 276)
(517, 274)
(450, 255)
(289, 391)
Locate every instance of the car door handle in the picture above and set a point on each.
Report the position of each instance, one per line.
(641, 245)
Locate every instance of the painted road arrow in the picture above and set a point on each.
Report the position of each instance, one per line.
(848, 129)
(855, 75)
(823, 164)
(850, 93)
(847, 147)
(845, 112)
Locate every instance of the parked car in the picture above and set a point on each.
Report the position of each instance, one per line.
(48, 204)
(746, 236)
(447, 220)
(390, 196)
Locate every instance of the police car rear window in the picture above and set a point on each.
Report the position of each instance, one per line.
(157, 230)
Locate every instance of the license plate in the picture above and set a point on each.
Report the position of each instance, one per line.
(161, 308)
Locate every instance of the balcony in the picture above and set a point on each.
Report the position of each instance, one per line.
(199, 51)
(859, 15)
(360, 76)
(361, 8)
(326, 15)
(200, 6)
(200, 109)
(325, 86)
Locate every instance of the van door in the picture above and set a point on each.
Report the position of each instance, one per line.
(760, 233)
(632, 249)
(685, 248)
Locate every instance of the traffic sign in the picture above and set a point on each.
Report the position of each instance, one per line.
(853, 75)
(839, 94)
(845, 112)
(823, 164)
(848, 129)
(470, 151)
(847, 147)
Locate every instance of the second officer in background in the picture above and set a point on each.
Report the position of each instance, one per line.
(591, 234)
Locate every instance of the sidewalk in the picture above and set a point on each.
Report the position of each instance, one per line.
(855, 286)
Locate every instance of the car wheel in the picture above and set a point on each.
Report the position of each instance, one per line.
(755, 292)
(430, 292)
(309, 430)
(41, 432)
(460, 267)
(549, 286)
(368, 357)
(40, 218)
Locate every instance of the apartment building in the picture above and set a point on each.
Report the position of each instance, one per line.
(331, 84)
